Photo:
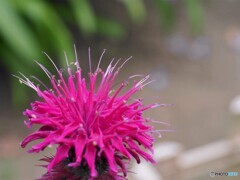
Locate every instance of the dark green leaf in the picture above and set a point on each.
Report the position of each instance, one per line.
(136, 10)
(84, 15)
(16, 32)
(195, 14)
(166, 13)
(110, 28)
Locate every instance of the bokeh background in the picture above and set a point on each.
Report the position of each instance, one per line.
(190, 47)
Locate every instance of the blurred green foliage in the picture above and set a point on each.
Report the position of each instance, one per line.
(29, 26)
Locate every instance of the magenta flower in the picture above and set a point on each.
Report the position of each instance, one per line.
(97, 129)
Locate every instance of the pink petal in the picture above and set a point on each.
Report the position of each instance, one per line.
(109, 152)
(62, 153)
(90, 157)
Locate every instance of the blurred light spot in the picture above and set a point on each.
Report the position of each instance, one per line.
(233, 38)
(145, 171)
(204, 154)
(167, 150)
(177, 44)
(234, 107)
(161, 77)
(199, 48)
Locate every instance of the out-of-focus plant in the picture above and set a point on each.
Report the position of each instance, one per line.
(193, 9)
(28, 27)
(195, 14)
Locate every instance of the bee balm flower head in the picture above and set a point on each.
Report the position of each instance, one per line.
(97, 129)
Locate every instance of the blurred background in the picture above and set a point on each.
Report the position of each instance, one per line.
(190, 47)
